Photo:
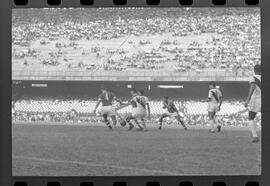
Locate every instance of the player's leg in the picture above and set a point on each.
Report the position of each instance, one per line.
(180, 120)
(114, 121)
(118, 115)
(113, 113)
(107, 122)
(128, 120)
(252, 126)
(161, 120)
(142, 117)
(143, 123)
(218, 124)
(140, 127)
(136, 116)
(211, 116)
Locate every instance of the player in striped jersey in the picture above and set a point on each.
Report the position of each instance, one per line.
(214, 104)
(171, 112)
(182, 109)
(147, 106)
(253, 102)
(140, 107)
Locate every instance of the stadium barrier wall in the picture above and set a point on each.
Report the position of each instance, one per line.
(128, 75)
(154, 89)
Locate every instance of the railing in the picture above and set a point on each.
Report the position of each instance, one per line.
(128, 75)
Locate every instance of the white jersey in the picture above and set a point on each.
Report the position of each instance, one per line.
(257, 91)
(214, 95)
(145, 100)
(140, 102)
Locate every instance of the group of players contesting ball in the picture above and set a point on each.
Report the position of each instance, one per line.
(140, 111)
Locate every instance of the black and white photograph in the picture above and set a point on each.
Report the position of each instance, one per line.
(136, 91)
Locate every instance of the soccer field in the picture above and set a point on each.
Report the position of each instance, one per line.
(66, 150)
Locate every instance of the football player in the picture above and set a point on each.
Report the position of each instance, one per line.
(253, 101)
(138, 110)
(171, 111)
(214, 104)
(106, 98)
(145, 107)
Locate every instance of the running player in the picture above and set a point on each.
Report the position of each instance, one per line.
(138, 110)
(214, 104)
(145, 108)
(73, 115)
(171, 112)
(182, 109)
(253, 102)
(106, 98)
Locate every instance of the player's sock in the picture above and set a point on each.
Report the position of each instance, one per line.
(143, 124)
(138, 124)
(218, 125)
(212, 124)
(183, 124)
(114, 123)
(107, 122)
(131, 126)
(252, 127)
(160, 122)
(160, 126)
(128, 120)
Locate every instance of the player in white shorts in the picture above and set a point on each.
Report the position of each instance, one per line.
(253, 102)
(140, 106)
(214, 104)
(182, 110)
(145, 106)
(106, 98)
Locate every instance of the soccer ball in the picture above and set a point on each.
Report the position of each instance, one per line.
(123, 123)
(169, 121)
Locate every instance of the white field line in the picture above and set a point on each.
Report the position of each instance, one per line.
(88, 164)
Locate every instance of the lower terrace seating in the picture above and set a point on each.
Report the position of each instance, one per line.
(87, 106)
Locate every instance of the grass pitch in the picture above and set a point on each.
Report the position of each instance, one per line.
(72, 150)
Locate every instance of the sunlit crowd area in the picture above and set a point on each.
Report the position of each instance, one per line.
(129, 39)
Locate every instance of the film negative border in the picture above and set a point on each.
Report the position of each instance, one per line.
(6, 178)
(124, 2)
(128, 3)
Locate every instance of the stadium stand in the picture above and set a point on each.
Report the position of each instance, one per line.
(180, 40)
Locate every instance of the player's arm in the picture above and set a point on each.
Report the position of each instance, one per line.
(165, 105)
(220, 101)
(209, 96)
(250, 92)
(174, 107)
(118, 100)
(148, 109)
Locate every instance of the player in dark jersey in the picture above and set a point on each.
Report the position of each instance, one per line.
(171, 111)
(107, 98)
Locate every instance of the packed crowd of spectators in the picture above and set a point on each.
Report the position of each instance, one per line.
(195, 112)
(190, 39)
